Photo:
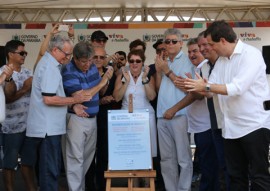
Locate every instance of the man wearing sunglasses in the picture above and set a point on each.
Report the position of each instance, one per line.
(99, 39)
(172, 126)
(14, 126)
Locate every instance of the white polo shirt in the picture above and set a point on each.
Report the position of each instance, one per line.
(245, 78)
(197, 112)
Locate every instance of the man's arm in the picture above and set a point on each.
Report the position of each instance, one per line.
(162, 67)
(120, 88)
(78, 97)
(187, 100)
(6, 78)
(200, 85)
(9, 90)
(45, 43)
(18, 94)
(104, 81)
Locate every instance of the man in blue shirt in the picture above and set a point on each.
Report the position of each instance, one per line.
(80, 141)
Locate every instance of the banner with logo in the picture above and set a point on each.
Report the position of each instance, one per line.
(120, 35)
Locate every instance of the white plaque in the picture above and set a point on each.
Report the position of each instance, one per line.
(129, 140)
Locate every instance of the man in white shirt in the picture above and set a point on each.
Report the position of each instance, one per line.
(240, 81)
(199, 124)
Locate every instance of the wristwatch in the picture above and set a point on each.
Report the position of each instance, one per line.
(9, 79)
(146, 81)
(207, 88)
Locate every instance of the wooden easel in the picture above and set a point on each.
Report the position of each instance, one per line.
(130, 174)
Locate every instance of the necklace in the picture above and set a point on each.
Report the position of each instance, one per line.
(135, 76)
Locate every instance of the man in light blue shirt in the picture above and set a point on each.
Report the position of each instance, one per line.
(172, 126)
(47, 116)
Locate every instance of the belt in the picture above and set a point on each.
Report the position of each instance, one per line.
(90, 116)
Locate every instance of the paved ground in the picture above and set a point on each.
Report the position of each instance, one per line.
(19, 184)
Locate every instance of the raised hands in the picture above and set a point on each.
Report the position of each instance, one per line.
(195, 85)
(8, 71)
(108, 75)
(125, 74)
(145, 72)
(161, 64)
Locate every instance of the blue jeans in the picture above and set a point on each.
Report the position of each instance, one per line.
(49, 149)
(12, 148)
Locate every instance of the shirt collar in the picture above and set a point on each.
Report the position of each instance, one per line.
(202, 63)
(54, 61)
(180, 53)
(238, 48)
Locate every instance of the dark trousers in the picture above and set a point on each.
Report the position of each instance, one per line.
(208, 161)
(101, 157)
(247, 159)
(219, 146)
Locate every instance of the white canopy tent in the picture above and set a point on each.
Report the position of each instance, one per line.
(127, 11)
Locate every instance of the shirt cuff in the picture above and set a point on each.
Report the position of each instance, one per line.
(231, 89)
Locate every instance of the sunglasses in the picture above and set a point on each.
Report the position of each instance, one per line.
(168, 41)
(135, 61)
(159, 50)
(100, 40)
(66, 54)
(22, 53)
(99, 57)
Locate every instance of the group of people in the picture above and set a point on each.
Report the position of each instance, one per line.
(216, 91)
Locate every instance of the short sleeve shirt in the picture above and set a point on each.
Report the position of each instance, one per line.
(47, 81)
(169, 94)
(17, 111)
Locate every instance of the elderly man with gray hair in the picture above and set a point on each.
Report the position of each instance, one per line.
(81, 137)
(176, 162)
(47, 116)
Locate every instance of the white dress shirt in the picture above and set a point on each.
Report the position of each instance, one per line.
(247, 87)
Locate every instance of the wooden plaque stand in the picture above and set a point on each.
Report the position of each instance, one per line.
(130, 174)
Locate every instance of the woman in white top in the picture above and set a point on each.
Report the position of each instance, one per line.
(136, 82)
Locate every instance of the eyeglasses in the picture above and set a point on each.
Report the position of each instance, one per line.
(100, 40)
(66, 54)
(159, 50)
(22, 53)
(99, 57)
(135, 61)
(168, 41)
